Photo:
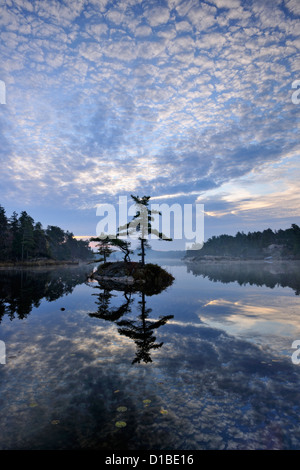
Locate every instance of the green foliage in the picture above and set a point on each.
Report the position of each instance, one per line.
(3, 233)
(139, 227)
(107, 244)
(141, 224)
(21, 239)
(255, 244)
(104, 247)
(26, 234)
(124, 246)
(154, 276)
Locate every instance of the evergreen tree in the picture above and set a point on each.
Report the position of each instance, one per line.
(41, 245)
(124, 246)
(15, 237)
(141, 224)
(104, 247)
(56, 238)
(3, 234)
(255, 244)
(83, 250)
(27, 237)
(22, 239)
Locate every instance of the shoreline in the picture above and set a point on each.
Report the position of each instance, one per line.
(224, 259)
(39, 264)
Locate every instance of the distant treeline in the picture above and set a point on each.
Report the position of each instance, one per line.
(23, 239)
(281, 243)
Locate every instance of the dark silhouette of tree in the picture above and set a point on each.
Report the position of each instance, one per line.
(124, 246)
(107, 244)
(22, 290)
(15, 237)
(249, 273)
(142, 224)
(21, 239)
(56, 239)
(27, 237)
(103, 248)
(41, 248)
(141, 329)
(3, 234)
(254, 244)
(105, 312)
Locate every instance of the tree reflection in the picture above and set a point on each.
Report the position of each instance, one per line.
(140, 329)
(104, 310)
(260, 274)
(23, 290)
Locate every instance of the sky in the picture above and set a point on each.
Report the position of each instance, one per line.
(186, 101)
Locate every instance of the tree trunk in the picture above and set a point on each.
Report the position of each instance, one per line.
(143, 251)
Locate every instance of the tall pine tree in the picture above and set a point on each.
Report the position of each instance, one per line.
(141, 224)
(3, 234)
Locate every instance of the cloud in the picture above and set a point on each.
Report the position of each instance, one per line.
(293, 6)
(176, 97)
(228, 4)
(58, 12)
(157, 15)
(143, 30)
(269, 191)
(198, 14)
(96, 30)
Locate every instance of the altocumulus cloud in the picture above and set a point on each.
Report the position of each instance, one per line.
(106, 98)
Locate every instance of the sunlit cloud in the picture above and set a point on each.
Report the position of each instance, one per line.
(260, 192)
(172, 98)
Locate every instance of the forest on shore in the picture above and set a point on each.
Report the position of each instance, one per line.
(280, 244)
(22, 240)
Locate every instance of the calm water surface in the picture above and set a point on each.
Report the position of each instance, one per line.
(205, 364)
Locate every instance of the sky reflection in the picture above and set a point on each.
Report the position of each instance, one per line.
(223, 378)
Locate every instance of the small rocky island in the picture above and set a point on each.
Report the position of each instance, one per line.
(133, 276)
(148, 278)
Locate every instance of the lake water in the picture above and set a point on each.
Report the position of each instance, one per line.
(205, 364)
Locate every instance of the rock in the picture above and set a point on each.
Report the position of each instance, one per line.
(149, 278)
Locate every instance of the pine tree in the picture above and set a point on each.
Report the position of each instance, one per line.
(27, 236)
(124, 246)
(104, 247)
(15, 234)
(56, 238)
(3, 234)
(41, 246)
(142, 224)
